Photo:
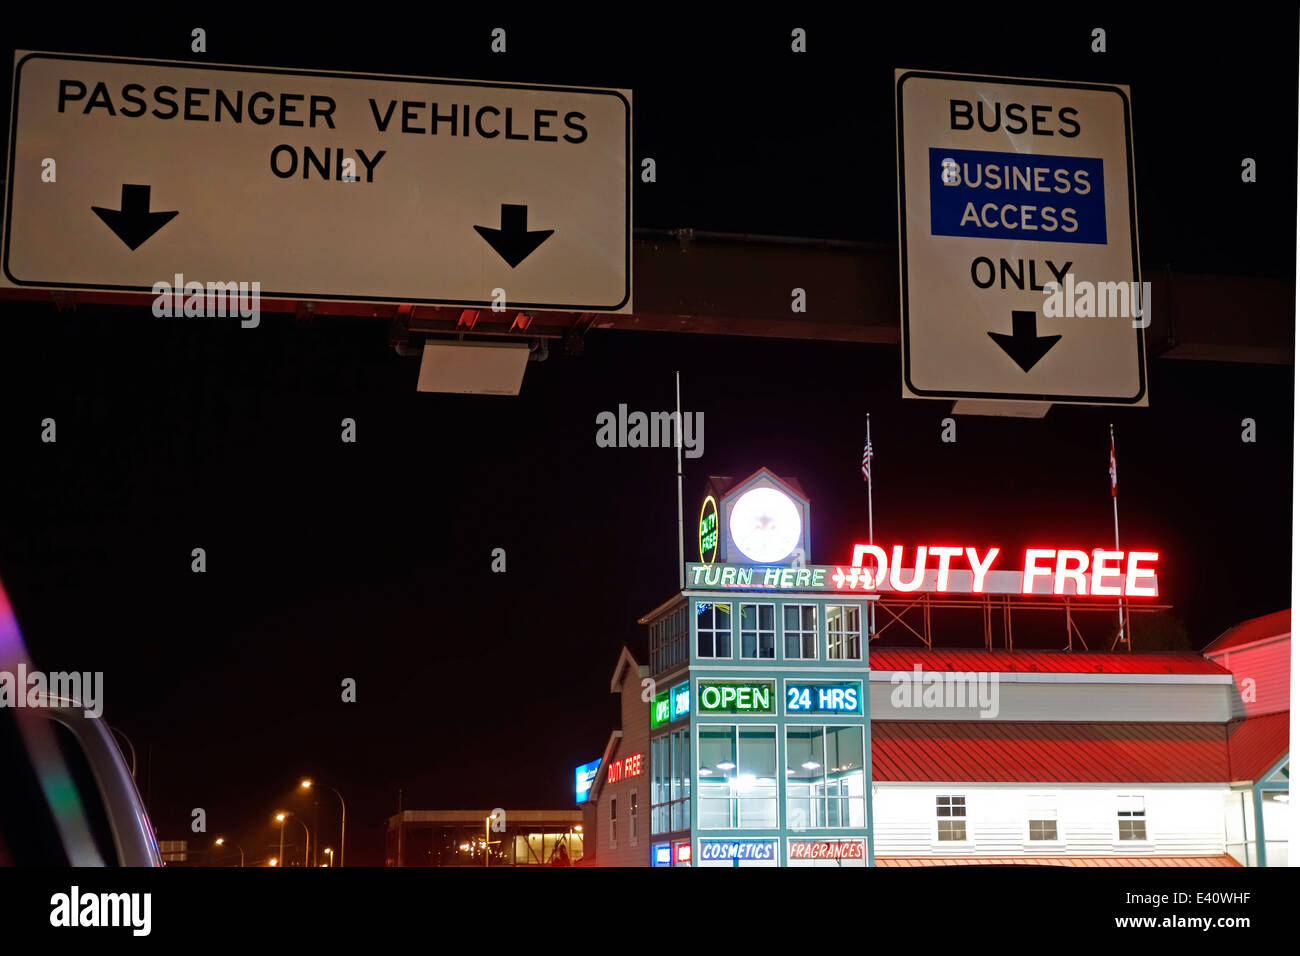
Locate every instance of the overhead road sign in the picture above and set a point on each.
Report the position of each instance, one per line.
(318, 185)
(1006, 187)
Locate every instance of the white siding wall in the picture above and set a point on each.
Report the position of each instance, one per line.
(1180, 820)
(1055, 701)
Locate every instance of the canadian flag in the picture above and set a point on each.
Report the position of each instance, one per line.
(1114, 481)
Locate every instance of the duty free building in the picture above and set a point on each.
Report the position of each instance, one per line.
(759, 747)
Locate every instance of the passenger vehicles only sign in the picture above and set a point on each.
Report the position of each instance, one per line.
(123, 173)
(1018, 241)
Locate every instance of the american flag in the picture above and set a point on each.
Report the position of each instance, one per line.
(1114, 478)
(866, 461)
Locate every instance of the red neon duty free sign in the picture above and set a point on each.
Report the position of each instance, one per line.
(964, 570)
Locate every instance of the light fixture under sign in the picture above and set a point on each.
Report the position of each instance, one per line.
(472, 368)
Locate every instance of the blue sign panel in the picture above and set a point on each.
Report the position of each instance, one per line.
(681, 699)
(661, 854)
(1029, 197)
(583, 778)
(738, 850)
(823, 697)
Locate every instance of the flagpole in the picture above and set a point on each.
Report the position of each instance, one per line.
(681, 554)
(1114, 500)
(871, 533)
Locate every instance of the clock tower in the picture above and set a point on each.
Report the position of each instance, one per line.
(763, 519)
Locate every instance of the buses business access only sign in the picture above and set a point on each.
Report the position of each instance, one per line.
(1018, 241)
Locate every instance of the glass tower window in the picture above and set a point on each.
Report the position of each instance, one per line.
(844, 632)
(758, 631)
(825, 777)
(713, 629)
(800, 631)
(737, 767)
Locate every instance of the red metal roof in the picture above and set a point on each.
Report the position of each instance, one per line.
(980, 751)
(1255, 744)
(1222, 860)
(1276, 624)
(1045, 662)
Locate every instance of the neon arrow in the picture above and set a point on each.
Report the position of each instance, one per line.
(513, 242)
(134, 223)
(1024, 344)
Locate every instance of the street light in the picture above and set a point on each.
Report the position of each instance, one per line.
(280, 819)
(307, 784)
(221, 841)
(329, 853)
(274, 861)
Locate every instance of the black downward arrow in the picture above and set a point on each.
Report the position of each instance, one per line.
(1024, 344)
(133, 223)
(513, 242)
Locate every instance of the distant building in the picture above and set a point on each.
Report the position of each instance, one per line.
(616, 814)
(174, 851)
(457, 838)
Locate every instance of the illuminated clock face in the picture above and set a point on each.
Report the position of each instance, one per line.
(765, 525)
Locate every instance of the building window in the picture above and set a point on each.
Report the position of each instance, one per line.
(951, 812)
(670, 792)
(1132, 818)
(1042, 818)
(825, 779)
(800, 631)
(844, 632)
(713, 629)
(737, 767)
(631, 819)
(669, 641)
(613, 822)
(758, 631)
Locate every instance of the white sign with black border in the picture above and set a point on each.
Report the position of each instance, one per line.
(124, 173)
(1006, 186)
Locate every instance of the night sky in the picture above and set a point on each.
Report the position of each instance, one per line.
(372, 560)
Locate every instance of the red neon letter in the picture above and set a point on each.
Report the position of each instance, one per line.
(1032, 570)
(1075, 574)
(979, 568)
(1131, 586)
(895, 579)
(945, 555)
(1101, 566)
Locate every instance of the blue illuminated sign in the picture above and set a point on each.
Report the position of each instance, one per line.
(661, 854)
(823, 697)
(738, 850)
(993, 195)
(583, 777)
(681, 699)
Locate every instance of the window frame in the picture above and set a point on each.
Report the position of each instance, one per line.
(1123, 816)
(714, 631)
(733, 798)
(950, 818)
(1037, 803)
(803, 634)
(757, 630)
(845, 635)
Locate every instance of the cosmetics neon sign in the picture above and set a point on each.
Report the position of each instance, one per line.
(1064, 572)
